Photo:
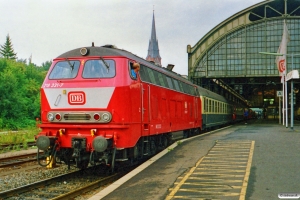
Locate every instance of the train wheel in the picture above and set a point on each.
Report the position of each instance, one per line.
(83, 164)
(196, 131)
(135, 152)
(164, 142)
(186, 133)
(153, 147)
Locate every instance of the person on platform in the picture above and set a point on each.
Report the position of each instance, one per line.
(246, 114)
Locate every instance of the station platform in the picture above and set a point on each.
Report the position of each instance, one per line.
(258, 160)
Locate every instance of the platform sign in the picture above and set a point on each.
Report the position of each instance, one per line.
(294, 74)
(279, 93)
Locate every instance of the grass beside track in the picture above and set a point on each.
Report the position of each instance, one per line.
(17, 140)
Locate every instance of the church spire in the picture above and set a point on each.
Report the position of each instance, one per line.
(153, 51)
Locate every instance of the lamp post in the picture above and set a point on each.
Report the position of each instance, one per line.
(294, 74)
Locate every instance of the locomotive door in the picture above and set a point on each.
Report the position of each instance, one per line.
(196, 112)
(145, 108)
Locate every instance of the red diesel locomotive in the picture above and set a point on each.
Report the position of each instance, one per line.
(94, 109)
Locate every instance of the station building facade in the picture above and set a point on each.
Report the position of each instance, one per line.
(227, 58)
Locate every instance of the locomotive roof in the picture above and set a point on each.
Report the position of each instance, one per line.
(110, 50)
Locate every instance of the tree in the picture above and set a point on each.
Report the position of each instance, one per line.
(7, 50)
(46, 65)
(19, 93)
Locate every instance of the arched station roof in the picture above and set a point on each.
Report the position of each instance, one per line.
(231, 48)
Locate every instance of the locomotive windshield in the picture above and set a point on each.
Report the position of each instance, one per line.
(65, 70)
(99, 69)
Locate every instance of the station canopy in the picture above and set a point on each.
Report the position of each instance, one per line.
(230, 51)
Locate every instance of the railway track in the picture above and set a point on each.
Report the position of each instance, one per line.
(17, 160)
(66, 186)
(20, 145)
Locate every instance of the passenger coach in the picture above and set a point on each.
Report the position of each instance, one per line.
(219, 111)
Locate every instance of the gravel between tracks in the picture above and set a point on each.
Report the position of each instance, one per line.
(19, 179)
(24, 177)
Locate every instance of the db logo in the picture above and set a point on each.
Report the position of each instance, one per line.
(281, 66)
(76, 98)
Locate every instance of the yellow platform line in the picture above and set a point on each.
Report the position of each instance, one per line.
(171, 195)
(246, 154)
(220, 169)
(217, 180)
(209, 174)
(221, 165)
(224, 157)
(183, 197)
(232, 146)
(229, 161)
(211, 185)
(246, 179)
(210, 192)
(222, 152)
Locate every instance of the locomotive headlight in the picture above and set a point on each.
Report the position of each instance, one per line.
(50, 117)
(106, 117)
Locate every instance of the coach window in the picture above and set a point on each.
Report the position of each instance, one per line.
(161, 79)
(181, 86)
(176, 85)
(213, 106)
(151, 75)
(169, 80)
(185, 90)
(144, 74)
(156, 76)
(65, 70)
(192, 90)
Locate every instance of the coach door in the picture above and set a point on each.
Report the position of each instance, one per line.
(145, 108)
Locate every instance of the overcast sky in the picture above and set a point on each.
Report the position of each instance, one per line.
(48, 28)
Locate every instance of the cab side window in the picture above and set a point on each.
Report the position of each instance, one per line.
(134, 69)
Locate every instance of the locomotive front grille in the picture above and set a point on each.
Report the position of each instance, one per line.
(77, 116)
